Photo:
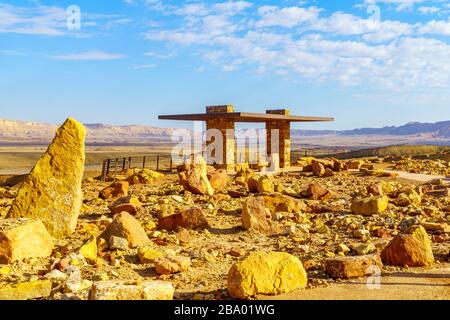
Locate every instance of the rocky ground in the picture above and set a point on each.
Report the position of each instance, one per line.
(320, 213)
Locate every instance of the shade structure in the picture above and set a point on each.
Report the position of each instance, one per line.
(243, 117)
(222, 119)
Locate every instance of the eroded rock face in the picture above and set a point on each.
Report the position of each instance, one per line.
(266, 273)
(370, 205)
(52, 190)
(353, 267)
(194, 177)
(412, 249)
(22, 238)
(193, 218)
(126, 226)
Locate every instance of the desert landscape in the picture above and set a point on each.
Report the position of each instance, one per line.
(224, 158)
(366, 224)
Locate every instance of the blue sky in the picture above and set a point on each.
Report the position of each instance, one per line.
(368, 63)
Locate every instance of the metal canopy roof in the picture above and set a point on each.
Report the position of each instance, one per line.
(242, 117)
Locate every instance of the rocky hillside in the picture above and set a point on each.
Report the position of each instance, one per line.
(22, 131)
(12, 131)
(433, 130)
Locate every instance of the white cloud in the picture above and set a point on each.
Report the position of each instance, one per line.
(47, 21)
(373, 30)
(90, 55)
(306, 44)
(428, 10)
(159, 55)
(144, 66)
(400, 5)
(436, 27)
(288, 17)
(12, 53)
(51, 21)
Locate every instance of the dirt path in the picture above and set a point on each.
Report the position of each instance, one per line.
(415, 284)
(418, 176)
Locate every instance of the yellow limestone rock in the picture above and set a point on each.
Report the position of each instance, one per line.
(412, 248)
(120, 290)
(265, 185)
(370, 205)
(269, 273)
(26, 290)
(23, 238)
(89, 250)
(148, 254)
(52, 190)
(194, 178)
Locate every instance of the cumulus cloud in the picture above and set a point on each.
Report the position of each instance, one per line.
(436, 27)
(303, 42)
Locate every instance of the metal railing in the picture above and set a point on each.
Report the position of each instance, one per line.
(116, 166)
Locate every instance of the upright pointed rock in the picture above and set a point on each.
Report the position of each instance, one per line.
(52, 190)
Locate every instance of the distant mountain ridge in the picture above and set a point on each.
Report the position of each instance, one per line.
(436, 130)
(12, 131)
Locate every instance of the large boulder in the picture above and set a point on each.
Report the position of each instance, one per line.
(353, 267)
(355, 164)
(52, 190)
(23, 238)
(126, 226)
(26, 290)
(370, 205)
(318, 169)
(194, 177)
(283, 203)
(172, 264)
(193, 218)
(269, 273)
(115, 189)
(218, 179)
(410, 197)
(145, 176)
(412, 248)
(317, 192)
(265, 185)
(129, 204)
(255, 215)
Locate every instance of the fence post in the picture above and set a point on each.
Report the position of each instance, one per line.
(123, 165)
(143, 163)
(104, 169)
(129, 162)
(170, 166)
(157, 163)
